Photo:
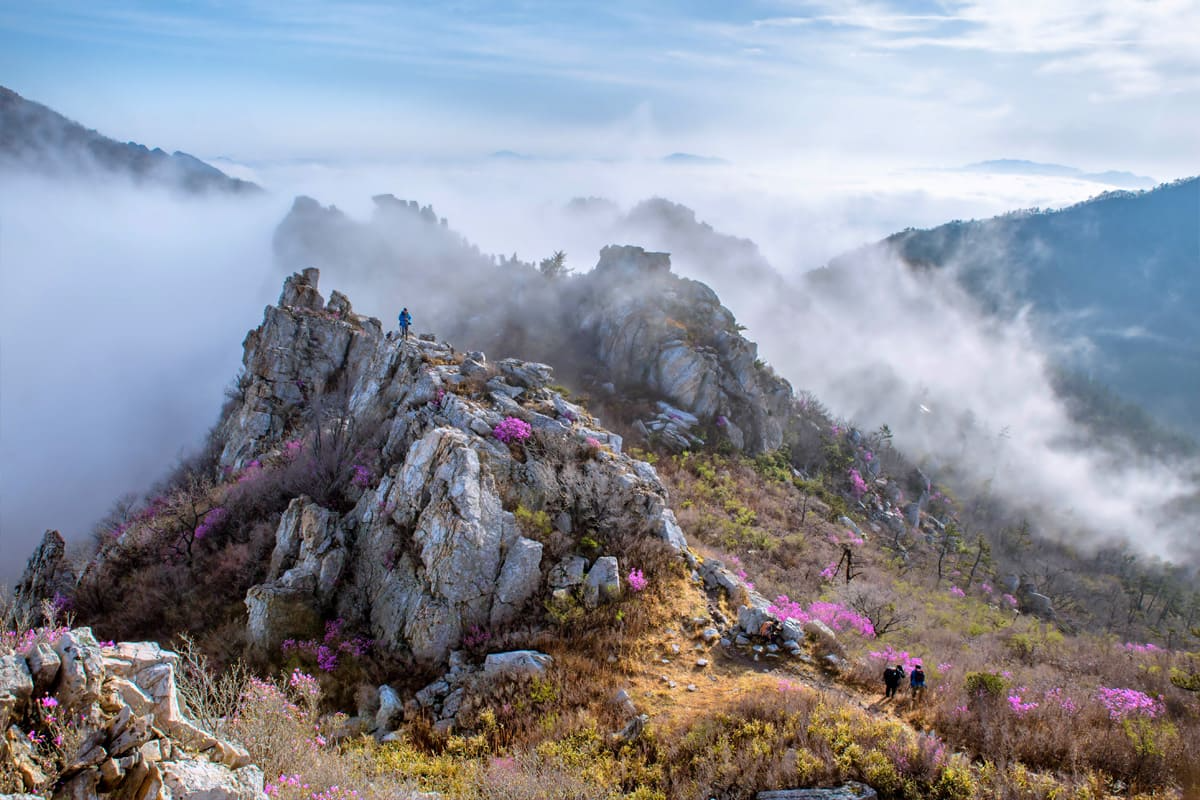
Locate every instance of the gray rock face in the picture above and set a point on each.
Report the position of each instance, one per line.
(519, 579)
(82, 669)
(15, 680)
(306, 565)
(675, 338)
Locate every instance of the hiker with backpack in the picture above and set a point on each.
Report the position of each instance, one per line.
(405, 321)
(891, 680)
(917, 681)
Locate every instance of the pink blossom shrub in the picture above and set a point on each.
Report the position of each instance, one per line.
(637, 581)
(511, 430)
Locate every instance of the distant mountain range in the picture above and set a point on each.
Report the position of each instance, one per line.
(1012, 166)
(1117, 277)
(37, 139)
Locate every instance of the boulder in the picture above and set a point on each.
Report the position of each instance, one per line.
(44, 664)
(567, 573)
(517, 662)
(202, 780)
(819, 630)
(603, 582)
(391, 710)
(754, 614)
(519, 579)
(851, 790)
(528, 374)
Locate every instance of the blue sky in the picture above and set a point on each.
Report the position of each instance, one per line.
(1102, 84)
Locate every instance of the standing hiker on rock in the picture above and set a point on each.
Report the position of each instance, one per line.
(405, 321)
(891, 680)
(917, 681)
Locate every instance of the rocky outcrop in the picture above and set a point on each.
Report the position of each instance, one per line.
(119, 705)
(48, 575)
(672, 337)
(431, 549)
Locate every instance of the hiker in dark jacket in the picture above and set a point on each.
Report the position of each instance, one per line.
(917, 681)
(405, 321)
(891, 680)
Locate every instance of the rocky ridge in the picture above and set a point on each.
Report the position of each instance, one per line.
(431, 548)
(629, 327)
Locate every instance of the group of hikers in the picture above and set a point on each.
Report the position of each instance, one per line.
(893, 676)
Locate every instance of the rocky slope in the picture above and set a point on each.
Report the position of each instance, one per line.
(37, 139)
(114, 711)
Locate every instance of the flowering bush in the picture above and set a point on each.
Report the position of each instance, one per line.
(830, 572)
(1019, 706)
(361, 476)
(1122, 703)
(957, 592)
(211, 521)
(1133, 647)
(328, 650)
(890, 655)
(835, 615)
(637, 581)
(858, 487)
(476, 637)
(512, 429)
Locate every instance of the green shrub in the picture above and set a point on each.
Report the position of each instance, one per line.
(989, 684)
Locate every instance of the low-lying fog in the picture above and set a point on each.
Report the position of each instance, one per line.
(123, 311)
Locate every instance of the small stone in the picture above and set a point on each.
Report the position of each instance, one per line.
(772, 648)
(674, 649)
(702, 662)
(691, 687)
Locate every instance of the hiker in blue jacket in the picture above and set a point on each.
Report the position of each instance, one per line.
(405, 321)
(917, 681)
